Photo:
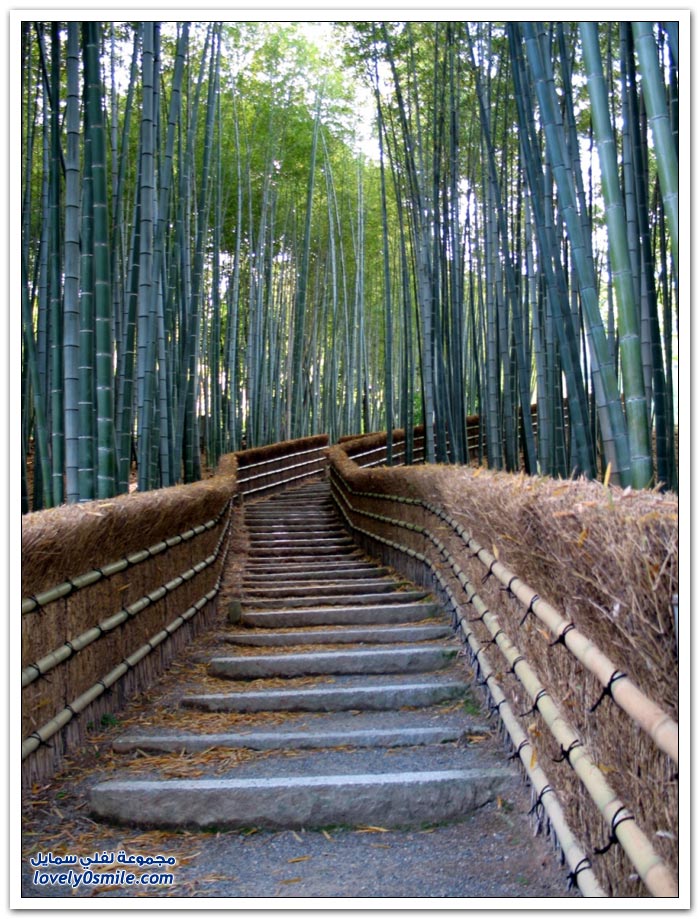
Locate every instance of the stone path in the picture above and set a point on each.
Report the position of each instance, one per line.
(365, 654)
(322, 743)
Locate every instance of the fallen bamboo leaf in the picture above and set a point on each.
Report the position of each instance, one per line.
(608, 471)
(299, 858)
(291, 881)
(372, 829)
(328, 836)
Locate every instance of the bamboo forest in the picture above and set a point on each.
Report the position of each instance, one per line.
(238, 233)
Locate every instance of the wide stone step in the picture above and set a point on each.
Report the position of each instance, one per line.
(385, 635)
(174, 742)
(346, 614)
(388, 799)
(301, 551)
(287, 590)
(301, 542)
(367, 696)
(345, 599)
(366, 660)
(334, 574)
(308, 565)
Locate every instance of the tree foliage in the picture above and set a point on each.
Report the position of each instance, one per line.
(212, 258)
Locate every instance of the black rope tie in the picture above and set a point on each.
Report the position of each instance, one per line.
(478, 618)
(38, 606)
(561, 640)
(41, 741)
(493, 709)
(538, 803)
(509, 587)
(529, 611)
(516, 753)
(489, 572)
(566, 754)
(617, 675)
(492, 641)
(515, 663)
(572, 876)
(536, 703)
(615, 822)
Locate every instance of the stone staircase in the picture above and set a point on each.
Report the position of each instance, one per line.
(354, 677)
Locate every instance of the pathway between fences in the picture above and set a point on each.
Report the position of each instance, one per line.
(324, 741)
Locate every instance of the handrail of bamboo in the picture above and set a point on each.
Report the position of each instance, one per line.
(65, 651)
(34, 603)
(43, 734)
(261, 475)
(662, 729)
(582, 871)
(276, 459)
(650, 866)
(59, 721)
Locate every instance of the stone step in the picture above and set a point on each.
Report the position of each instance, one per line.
(271, 542)
(175, 742)
(367, 696)
(341, 615)
(296, 551)
(266, 566)
(311, 636)
(280, 603)
(388, 799)
(322, 574)
(411, 659)
(285, 590)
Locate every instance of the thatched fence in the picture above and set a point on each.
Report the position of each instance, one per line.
(563, 595)
(113, 589)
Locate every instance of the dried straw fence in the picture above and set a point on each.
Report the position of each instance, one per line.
(562, 593)
(113, 589)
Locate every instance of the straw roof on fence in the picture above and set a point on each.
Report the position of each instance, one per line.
(283, 448)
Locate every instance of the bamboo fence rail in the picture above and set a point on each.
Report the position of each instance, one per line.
(648, 864)
(66, 654)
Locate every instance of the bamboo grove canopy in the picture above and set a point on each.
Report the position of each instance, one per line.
(238, 233)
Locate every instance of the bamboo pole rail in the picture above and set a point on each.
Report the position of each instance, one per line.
(66, 588)
(650, 867)
(582, 874)
(65, 651)
(662, 729)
